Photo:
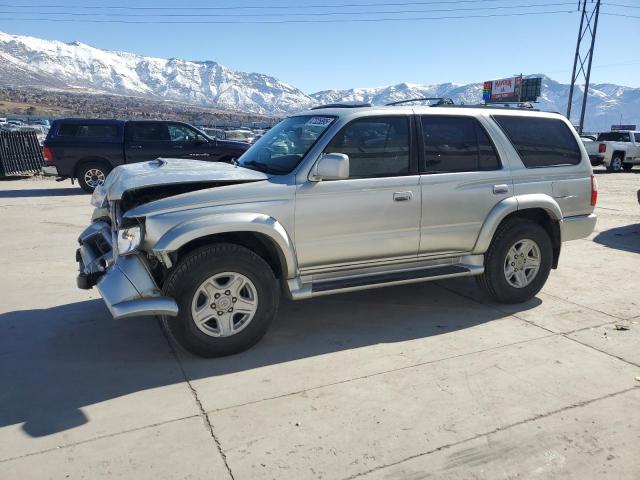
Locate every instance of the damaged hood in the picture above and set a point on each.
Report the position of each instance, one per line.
(169, 171)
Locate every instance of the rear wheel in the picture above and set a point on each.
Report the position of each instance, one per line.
(518, 262)
(627, 166)
(92, 174)
(616, 163)
(227, 298)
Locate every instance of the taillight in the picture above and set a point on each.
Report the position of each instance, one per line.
(594, 190)
(602, 148)
(47, 154)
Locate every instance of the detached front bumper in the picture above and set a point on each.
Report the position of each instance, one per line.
(126, 284)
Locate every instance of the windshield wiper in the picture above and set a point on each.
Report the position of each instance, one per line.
(263, 167)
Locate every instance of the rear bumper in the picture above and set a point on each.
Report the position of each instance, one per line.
(596, 160)
(50, 171)
(579, 226)
(126, 284)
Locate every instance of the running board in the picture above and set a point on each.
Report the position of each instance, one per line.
(329, 286)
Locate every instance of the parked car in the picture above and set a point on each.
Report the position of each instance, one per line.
(356, 198)
(240, 135)
(87, 150)
(617, 150)
(215, 133)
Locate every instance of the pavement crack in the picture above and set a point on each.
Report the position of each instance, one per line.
(94, 439)
(560, 334)
(587, 307)
(601, 351)
(194, 393)
(384, 372)
(492, 432)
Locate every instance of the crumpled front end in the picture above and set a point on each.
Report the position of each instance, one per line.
(125, 282)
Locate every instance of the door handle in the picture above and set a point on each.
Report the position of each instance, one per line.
(402, 196)
(137, 147)
(177, 147)
(502, 188)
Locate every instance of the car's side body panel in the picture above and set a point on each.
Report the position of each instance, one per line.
(357, 219)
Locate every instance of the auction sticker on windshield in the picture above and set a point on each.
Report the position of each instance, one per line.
(319, 121)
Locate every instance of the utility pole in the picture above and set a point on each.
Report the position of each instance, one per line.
(586, 36)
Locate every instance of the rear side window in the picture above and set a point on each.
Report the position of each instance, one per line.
(377, 146)
(637, 137)
(541, 142)
(149, 132)
(614, 137)
(87, 131)
(456, 144)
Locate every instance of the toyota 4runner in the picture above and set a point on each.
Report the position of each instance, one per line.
(334, 200)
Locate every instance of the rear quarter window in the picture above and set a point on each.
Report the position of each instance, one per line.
(541, 142)
(79, 130)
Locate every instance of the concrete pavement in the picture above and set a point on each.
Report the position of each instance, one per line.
(424, 381)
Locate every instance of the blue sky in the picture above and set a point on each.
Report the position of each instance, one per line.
(320, 56)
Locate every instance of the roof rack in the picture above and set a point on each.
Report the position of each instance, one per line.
(341, 105)
(440, 101)
(501, 106)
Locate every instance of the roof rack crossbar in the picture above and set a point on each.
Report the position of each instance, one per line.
(341, 105)
(439, 100)
(498, 106)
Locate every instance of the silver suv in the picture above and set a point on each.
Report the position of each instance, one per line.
(334, 200)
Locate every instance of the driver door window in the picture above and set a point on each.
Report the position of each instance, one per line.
(181, 134)
(377, 147)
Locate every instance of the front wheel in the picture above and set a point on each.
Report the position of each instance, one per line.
(627, 166)
(518, 262)
(227, 297)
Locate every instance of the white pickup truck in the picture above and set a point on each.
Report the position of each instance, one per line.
(617, 150)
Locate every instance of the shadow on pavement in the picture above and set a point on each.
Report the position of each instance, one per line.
(55, 362)
(41, 192)
(625, 238)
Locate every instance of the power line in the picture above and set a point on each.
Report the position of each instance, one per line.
(252, 7)
(380, 12)
(273, 22)
(619, 15)
(621, 5)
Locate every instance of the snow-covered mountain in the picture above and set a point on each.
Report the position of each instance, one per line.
(32, 62)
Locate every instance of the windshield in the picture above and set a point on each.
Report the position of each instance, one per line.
(614, 137)
(281, 149)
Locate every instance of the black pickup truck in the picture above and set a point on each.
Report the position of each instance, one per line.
(89, 149)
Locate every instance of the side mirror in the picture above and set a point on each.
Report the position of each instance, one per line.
(331, 166)
(200, 140)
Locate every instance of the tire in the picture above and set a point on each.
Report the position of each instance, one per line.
(208, 266)
(616, 163)
(627, 166)
(92, 174)
(494, 279)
